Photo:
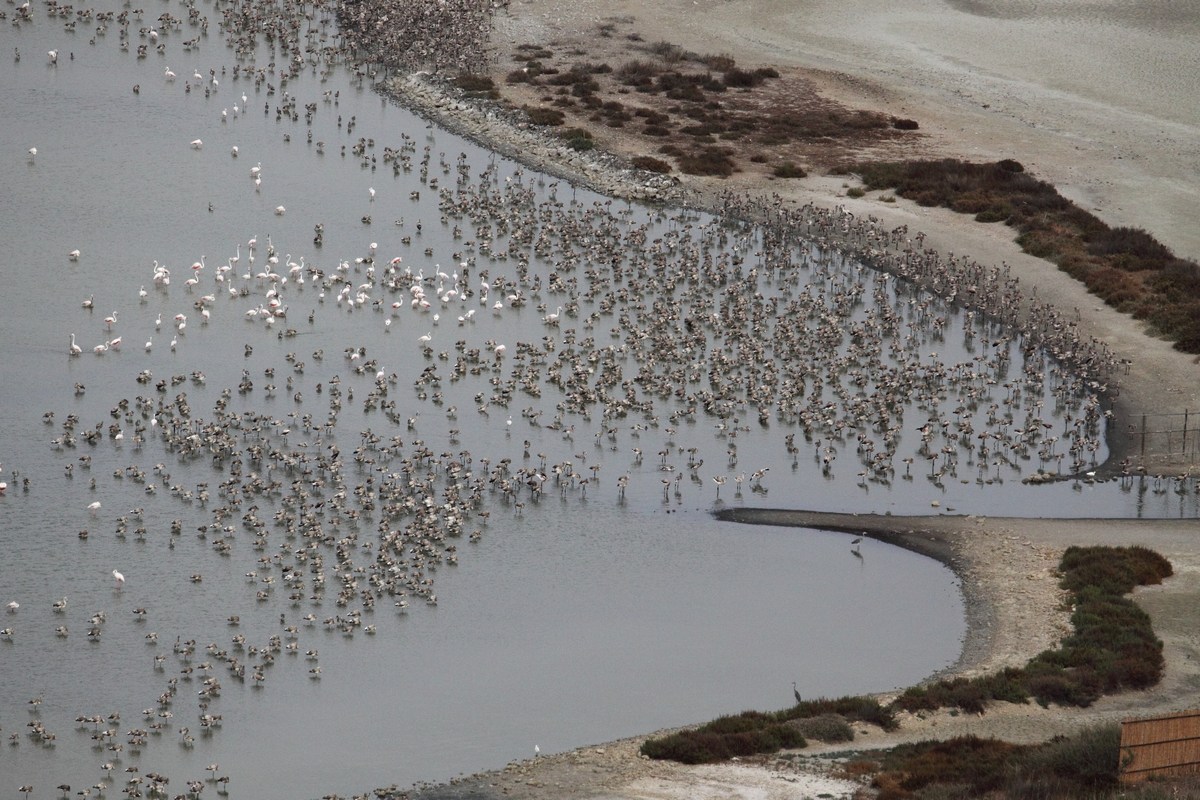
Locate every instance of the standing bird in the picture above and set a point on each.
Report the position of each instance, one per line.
(856, 542)
(796, 692)
(719, 480)
(119, 578)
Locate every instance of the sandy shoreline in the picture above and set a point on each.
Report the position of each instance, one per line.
(1013, 604)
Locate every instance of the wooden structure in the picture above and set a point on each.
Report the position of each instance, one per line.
(1160, 746)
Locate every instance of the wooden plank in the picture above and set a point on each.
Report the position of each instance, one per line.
(1164, 745)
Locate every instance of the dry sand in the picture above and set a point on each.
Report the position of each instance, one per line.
(968, 70)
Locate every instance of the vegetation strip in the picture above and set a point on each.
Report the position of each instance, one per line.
(1126, 267)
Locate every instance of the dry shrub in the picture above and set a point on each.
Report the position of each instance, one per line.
(651, 164)
(670, 53)
(788, 170)
(712, 160)
(544, 116)
(638, 73)
(472, 82)
(1114, 286)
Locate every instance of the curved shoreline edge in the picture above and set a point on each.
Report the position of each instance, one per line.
(1006, 565)
(931, 537)
(1008, 570)
(1158, 372)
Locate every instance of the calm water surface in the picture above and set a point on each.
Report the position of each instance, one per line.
(580, 618)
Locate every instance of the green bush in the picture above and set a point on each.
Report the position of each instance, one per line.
(1112, 646)
(1112, 570)
(853, 708)
(724, 738)
(824, 728)
(1090, 758)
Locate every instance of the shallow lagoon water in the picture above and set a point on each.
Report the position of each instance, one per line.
(576, 619)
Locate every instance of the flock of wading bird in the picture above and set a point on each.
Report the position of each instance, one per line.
(808, 331)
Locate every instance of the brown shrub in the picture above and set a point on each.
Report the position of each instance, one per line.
(651, 164)
(544, 116)
(638, 73)
(721, 63)
(716, 161)
(788, 170)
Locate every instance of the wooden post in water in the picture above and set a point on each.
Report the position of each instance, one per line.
(1143, 437)
(1183, 446)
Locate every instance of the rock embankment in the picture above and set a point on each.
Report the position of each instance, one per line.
(506, 131)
